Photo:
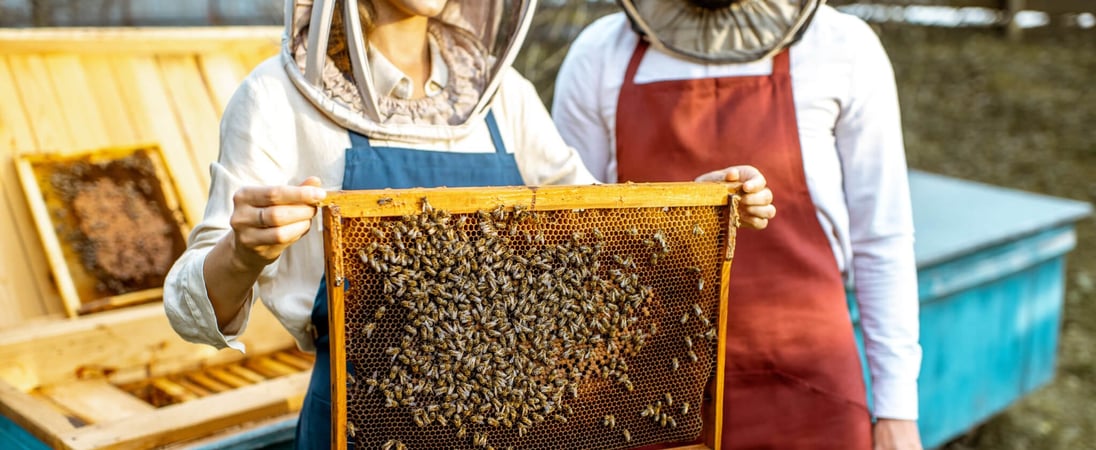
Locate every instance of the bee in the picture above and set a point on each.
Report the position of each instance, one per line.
(688, 342)
(627, 436)
(697, 230)
(609, 421)
(633, 231)
(684, 318)
(384, 201)
(710, 334)
(368, 329)
(350, 429)
(685, 408)
(692, 356)
(674, 363)
(461, 432)
(559, 418)
(669, 399)
(672, 422)
(379, 313)
(698, 310)
(700, 284)
(493, 422)
(647, 412)
(393, 444)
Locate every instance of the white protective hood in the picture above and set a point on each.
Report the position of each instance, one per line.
(478, 40)
(720, 31)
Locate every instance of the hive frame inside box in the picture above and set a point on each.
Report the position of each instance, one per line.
(53, 368)
(407, 202)
(72, 279)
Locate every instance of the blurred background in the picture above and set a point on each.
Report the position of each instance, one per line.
(996, 91)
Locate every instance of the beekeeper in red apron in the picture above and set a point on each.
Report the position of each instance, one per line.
(806, 94)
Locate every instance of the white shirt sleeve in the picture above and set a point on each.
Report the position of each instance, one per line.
(576, 107)
(542, 155)
(245, 159)
(869, 142)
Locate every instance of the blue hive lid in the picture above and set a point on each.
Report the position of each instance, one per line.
(954, 217)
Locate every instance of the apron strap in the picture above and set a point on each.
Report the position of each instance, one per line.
(358, 140)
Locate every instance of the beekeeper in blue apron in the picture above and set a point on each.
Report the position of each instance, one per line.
(403, 93)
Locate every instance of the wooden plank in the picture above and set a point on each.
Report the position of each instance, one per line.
(224, 376)
(222, 74)
(108, 98)
(25, 287)
(81, 114)
(130, 345)
(139, 41)
(42, 105)
(172, 390)
(96, 401)
(194, 111)
(252, 59)
(399, 202)
(196, 418)
(34, 416)
(151, 112)
(69, 296)
(245, 373)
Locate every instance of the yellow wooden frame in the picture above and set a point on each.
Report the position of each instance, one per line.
(59, 264)
(391, 202)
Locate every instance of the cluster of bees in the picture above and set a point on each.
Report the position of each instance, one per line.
(499, 324)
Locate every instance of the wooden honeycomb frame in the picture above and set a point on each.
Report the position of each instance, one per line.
(396, 203)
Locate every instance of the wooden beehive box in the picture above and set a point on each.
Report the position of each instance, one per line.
(122, 378)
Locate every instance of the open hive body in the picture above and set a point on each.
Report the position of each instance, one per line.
(551, 317)
(75, 377)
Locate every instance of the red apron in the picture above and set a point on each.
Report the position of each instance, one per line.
(793, 378)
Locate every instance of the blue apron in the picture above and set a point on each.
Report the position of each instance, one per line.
(369, 167)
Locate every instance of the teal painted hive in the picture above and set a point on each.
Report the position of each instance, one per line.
(991, 266)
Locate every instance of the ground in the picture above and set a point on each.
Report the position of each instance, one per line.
(1020, 115)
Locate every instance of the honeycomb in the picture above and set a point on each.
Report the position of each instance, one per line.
(506, 327)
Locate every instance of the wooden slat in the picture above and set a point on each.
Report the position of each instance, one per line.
(252, 59)
(108, 98)
(69, 296)
(208, 382)
(42, 106)
(81, 114)
(140, 41)
(194, 111)
(25, 287)
(172, 390)
(245, 373)
(96, 401)
(222, 74)
(152, 114)
(229, 378)
(131, 344)
(34, 416)
(195, 418)
(399, 202)
(294, 361)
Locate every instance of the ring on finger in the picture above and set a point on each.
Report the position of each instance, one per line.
(262, 223)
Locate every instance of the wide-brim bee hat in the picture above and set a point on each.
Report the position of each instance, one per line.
(720, 31)
(477, 39)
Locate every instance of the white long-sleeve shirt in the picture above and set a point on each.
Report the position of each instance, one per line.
(272, 135)
(851, 138)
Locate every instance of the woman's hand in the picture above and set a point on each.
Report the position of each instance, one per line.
(267, 219)
(755, 208)
(894, 434)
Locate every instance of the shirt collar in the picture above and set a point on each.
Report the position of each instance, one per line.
(389, 80)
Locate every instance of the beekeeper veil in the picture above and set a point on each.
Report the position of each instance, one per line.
(721, 31)
(327, 55)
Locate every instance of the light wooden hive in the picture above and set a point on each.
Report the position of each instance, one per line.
(550, 317)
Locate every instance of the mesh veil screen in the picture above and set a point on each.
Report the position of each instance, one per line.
(508, 327)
